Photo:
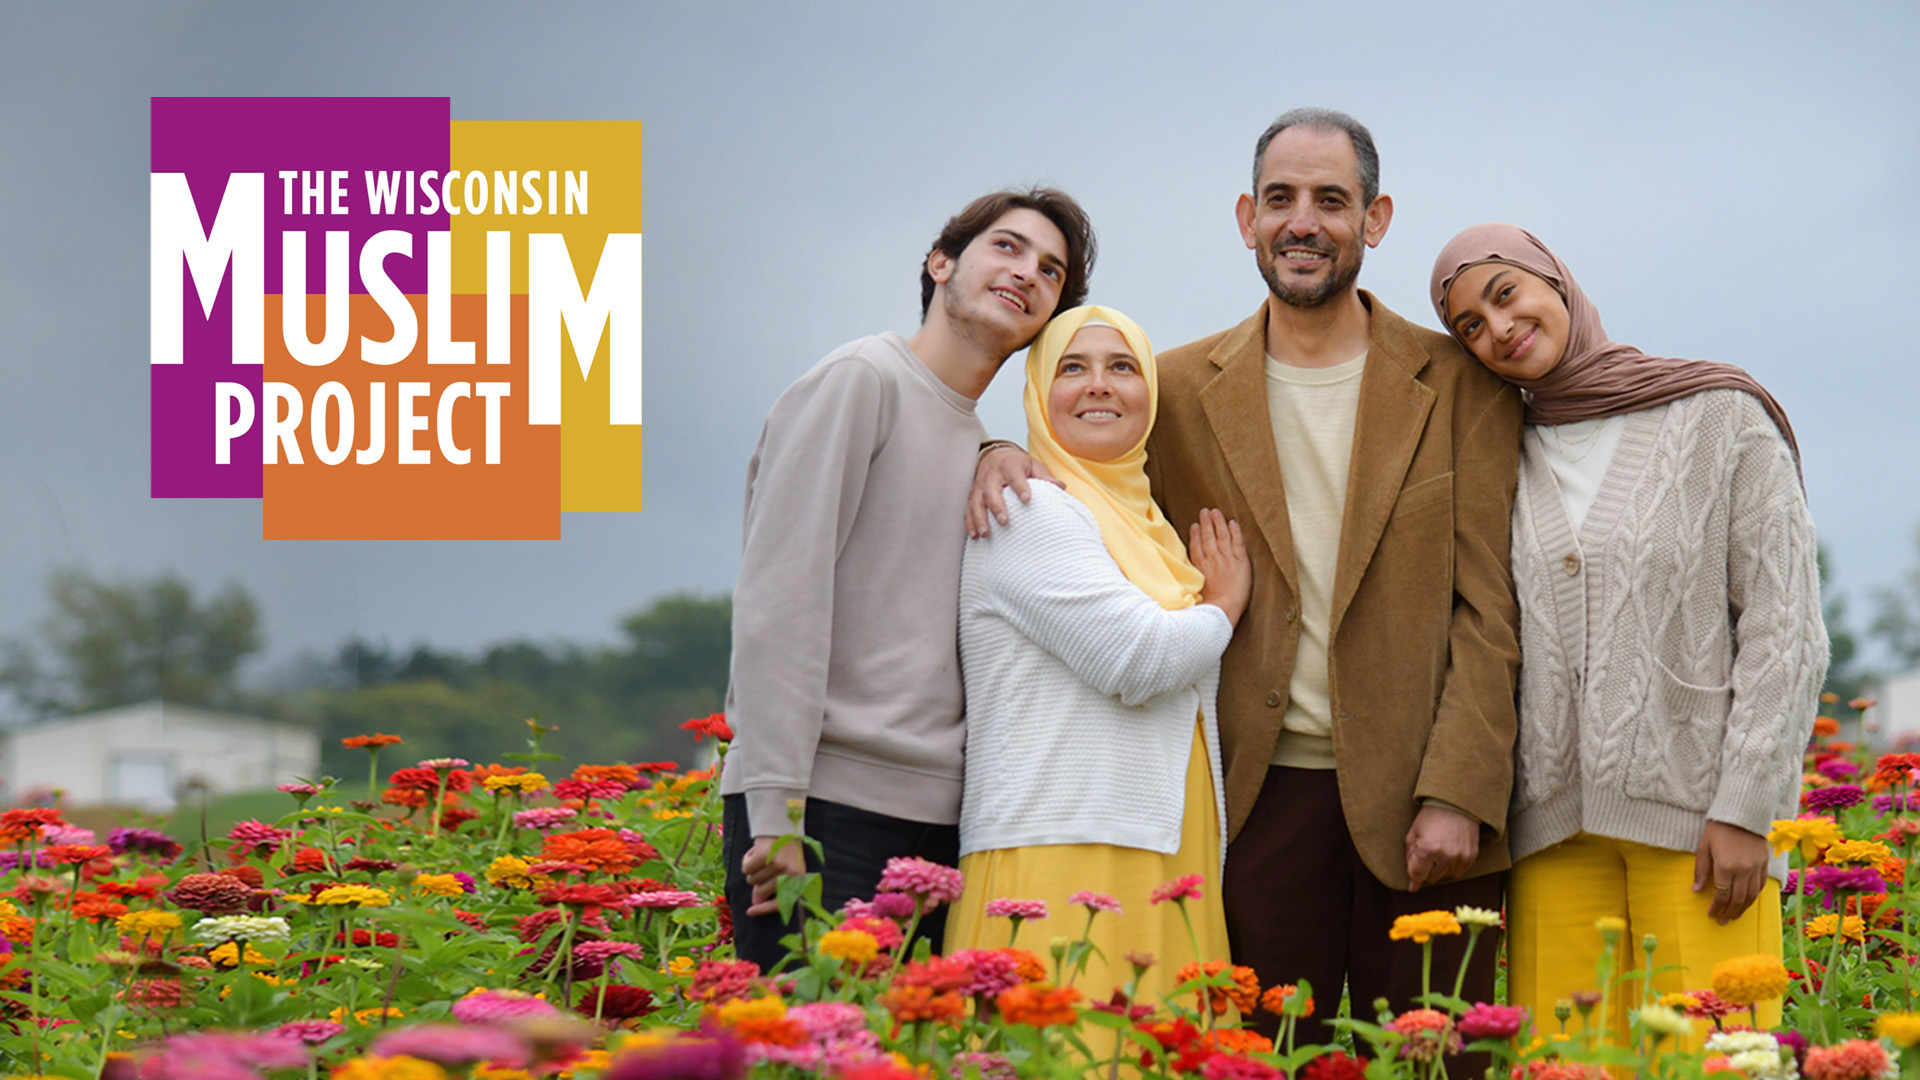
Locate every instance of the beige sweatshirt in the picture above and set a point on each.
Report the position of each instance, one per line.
(845, 679)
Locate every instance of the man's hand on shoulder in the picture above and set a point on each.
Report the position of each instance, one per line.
(1003, 466)
(1443, 844)
(763, 869)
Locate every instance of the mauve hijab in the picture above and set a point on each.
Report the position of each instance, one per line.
(1596, 376)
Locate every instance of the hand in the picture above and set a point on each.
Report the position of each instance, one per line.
(764, 870)
(1219, 552)
(1734, 862)
(1442, 844)
(1001, 467)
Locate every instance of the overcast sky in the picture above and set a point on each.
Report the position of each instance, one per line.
(1729, 181)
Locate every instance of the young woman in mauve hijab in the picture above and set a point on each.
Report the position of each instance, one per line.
(1090, 643)
(1672, 649)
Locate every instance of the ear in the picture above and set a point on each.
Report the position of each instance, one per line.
(1243, 213)
(939, 266)
(1379, 216)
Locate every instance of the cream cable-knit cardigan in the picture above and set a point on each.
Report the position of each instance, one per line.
(1081, 690)
(1672, 652)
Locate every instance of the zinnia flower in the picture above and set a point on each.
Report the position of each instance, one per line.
(615, 1002)
(1040, 1006)
(1903, 1028)
(1855, 1059)
(1423, 926)
(1484, 1021)
(1179, 889)
(1429, 1032)
(1335, 1066)
(241, 927)
(1009, 908)
(714, 725)
(1837, 797)
(499, 1006)
(211, 894)
(1745, 980)
(928, 882)
(1809, 834)
(854, 947)
(1095, 901)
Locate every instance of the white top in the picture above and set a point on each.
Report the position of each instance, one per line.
(1578, 453)
(1082, 691)
(1313, 411)
(1672, 648)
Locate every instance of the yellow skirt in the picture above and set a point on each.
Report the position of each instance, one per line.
(1055, 872)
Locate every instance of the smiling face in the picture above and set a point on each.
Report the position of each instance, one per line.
(1005, 284)
(1307, 222)
(1511, 319)
(1099, 404)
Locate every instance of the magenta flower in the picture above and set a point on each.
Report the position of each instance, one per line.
(219, 1055)
(1234, 1067)
(1179, 889)
(1839, 769)
(1009, 908)
(1844, 879)
(1095, 901)
(144, 841)
(710, 1055)
(928, 882)
(665, 898)
(993, 972)
(1884, 803)
(499, 1006)
(454, 1044)
(1837, 797)
(1484, 1021)
(257, 835)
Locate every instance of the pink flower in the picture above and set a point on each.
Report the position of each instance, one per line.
(1429, 1033)
(1180, 889)
(829, 1019)
(993, 971)
(992, 1066)
(1232, 1067)
(1855, 1059)
(602, 951)
(305, 790)
(1008, 908)
(311, 1032)
(258, 835)
(67, 834)
(498, 1006)
(886, 905)
(665, 898)
(928, 882)
(445, 763)
(1484, 1021)
(454, 1044)
(1095, 901)
(544, 817)
(218, 1055)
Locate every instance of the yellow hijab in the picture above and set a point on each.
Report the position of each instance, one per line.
(1141, 540)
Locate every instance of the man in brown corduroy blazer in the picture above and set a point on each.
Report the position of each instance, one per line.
(1367, 700)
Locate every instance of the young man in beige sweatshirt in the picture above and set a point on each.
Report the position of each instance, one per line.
(845, 694)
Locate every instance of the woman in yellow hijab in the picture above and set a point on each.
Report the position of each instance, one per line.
(1091, 644)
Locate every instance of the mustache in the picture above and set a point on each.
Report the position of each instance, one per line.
(1316, 244)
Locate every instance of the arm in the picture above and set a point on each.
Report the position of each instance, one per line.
(1001, 465)
(1049, 575)
(1780, 661)
(804, 491)
(1469, 759)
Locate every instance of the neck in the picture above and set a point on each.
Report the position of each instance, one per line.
(1318, 337)
(955, 358)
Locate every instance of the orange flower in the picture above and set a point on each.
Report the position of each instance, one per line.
(1237, 1041)
(910, 1004)
(1825, 726)
(24, 823)
(1028, 966)
(1244, 994)
(596, 849)
(96, 909)
(370, 742)
(1040, 1005)
(625, 774)
(1276, 997)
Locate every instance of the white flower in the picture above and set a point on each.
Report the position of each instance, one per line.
(1740, 1042)
(253, 928)
(1761, 1065)
(1662, 1021)
(1484, 918)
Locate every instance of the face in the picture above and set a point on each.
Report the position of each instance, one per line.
(1006, 282)
(1098, 405)
(1306, 223)
(1511, 320)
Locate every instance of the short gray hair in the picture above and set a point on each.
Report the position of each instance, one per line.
(1327, 120)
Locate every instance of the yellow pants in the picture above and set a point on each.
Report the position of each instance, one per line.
(1555, 896)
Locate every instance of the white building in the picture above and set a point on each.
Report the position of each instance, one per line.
(145, 755)
(1898, 711)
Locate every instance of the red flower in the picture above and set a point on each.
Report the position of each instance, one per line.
(656, 766)
(310, 860)
(587, 897)
(74, 854)
(1335, 1066)
(211, 894)
(719, 981)
(615, 1002)
(715, 725)
(1183, 888)
(370, 742)
(468, 917)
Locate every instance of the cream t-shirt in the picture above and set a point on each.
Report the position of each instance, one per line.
(1313, 412)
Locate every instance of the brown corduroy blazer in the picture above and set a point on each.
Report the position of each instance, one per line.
(1423, 649)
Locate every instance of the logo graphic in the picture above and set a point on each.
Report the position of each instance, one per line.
(384, 324)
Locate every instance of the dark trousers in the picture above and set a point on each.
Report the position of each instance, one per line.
(857, 844)
(1301, 905)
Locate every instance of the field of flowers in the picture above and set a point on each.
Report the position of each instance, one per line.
(499, 921)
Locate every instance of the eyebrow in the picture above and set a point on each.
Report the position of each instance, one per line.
(1324, 189)
(1486, 291)
(1047, 257)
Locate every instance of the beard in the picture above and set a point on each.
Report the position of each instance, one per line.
(1309, 295)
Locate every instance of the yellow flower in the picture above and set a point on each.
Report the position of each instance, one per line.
(1808, 834)
(528, 783)
(1422, 927)
(514, 872)
(1745, 980)
(680, 967)
(226, 954)
(484, 1071)
(148, 924)
(1857, 852)
(363, 1016)
(438, 885)
(593, 1060)
(1610, 927)
(1822, 926)
(1902, 1027)
(389, 1068)
(7, 910)
(734, 1012)
(363, 895)
(856, 947)
(1662, 1021)
(1680, 1001)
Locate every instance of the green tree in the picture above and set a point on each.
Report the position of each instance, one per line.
(113, 643)
(1844, 675)
(1896, 616)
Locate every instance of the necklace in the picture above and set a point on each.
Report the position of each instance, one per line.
(1584, 444)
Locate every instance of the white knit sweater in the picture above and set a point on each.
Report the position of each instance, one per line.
(1673, 649)
(1081, 689)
